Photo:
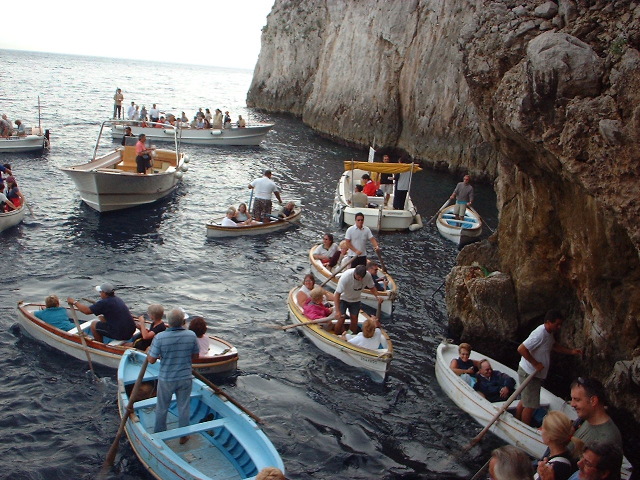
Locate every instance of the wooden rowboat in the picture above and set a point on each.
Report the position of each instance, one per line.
(375, 362)
(507, 427)
(323, 274)
(12, 218)
(222, 358)
(460, 232)
(224, 442)
(216, 230)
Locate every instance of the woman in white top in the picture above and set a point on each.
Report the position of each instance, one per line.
(228, 221)
(326, 251)
(304, 292)
(369, 337)
(199, 327)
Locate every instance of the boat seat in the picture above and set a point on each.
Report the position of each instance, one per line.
(83, 327)
(377, 201)
(128, 155)
(190, 429)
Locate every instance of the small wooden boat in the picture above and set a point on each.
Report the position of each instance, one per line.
(377, 216)
(35, 138)
(375, 362)
(222, 358)
(110, 182)
(460, 232)
(322, 273)
(12, 218)
(224, 442)
(216, 230)
(507, 427)
(252, 134)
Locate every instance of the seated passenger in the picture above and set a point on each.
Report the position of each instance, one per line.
(381, 282)
(359, 199)
(230, 219)
(369, 337)
(556, 432)
(227, 120)
(314, 308)
(304, 292)
(370, 188)
(463, 366)
(493, 385)
(6, 205)
(343, 258)
(20, 129)
(326, 250)
(161, 123)
(142, 340)
(143, 154)
(243, 216)
(287, 210)
(199, 123)
(241, 122)
(54, 314)
(13, 192)
(199, 327)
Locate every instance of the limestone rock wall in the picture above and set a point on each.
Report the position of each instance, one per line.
(375, 70)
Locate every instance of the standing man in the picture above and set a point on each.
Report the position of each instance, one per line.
(116, 321)
(356, 237)
(589, 401)
(154, 113)
(386, 181)
(403, 182)
(131, 111)
(177, 348)
(348, 294)
(463, 195)
(536, 357)
(117, 103)
(262, 205)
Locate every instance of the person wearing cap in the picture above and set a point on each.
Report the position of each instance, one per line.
(116, 321)
(263, 188)
(348, 294)
(176, 348)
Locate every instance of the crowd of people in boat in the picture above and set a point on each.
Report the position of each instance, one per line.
(7, 129)
(11, 197)
(590, 448)
(157, 118)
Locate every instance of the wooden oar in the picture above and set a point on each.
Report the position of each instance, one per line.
(250, 202)
(439, 210)
(310, 322)
(81, 335)
(503, 409)
(483, 222)
(337, 272)
(221, 392)
(480, 473)
(275, 217)
(111, 455)
(30, 210)
(384, 268)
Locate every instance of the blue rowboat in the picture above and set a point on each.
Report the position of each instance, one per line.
(224, 442)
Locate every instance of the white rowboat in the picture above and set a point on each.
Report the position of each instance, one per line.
(12, 218)
(216, 230)
(323, 274)
(35, 139)
(460, 232)
(375, 362)
(249, 135)
(222, 358)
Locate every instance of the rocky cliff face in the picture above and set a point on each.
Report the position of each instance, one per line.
(542, 96)
(375, 70)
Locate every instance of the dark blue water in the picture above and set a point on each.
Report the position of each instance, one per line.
(327, 420)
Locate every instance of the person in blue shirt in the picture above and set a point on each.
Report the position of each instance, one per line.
(54, 314)
(492, 384)
(116, 321)
(177, 348)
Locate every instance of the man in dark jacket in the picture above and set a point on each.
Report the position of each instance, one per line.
(493, 385)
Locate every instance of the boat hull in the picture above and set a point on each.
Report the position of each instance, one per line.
(375, 362)
(109, 355)
(384, 219)
(323, 274)
(12, 218)
(224, 442)
(215, 230)
(28, 143)
(459, 232)
(250, 135)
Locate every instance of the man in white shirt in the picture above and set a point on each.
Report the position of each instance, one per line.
(131, 111)
(154, 113)
(356, 237)
(348, 294)
(263, 188)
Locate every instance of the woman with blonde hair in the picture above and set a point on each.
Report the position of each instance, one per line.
(557, 433)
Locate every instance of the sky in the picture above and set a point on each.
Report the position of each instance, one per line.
(221, 33)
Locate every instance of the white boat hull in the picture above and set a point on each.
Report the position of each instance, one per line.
(323, 274)
(384, 219)
(250, 135)
(223, 358)
(28, 143)
(457, 231)
(216, 230)
(12, 218)
(375, 362)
